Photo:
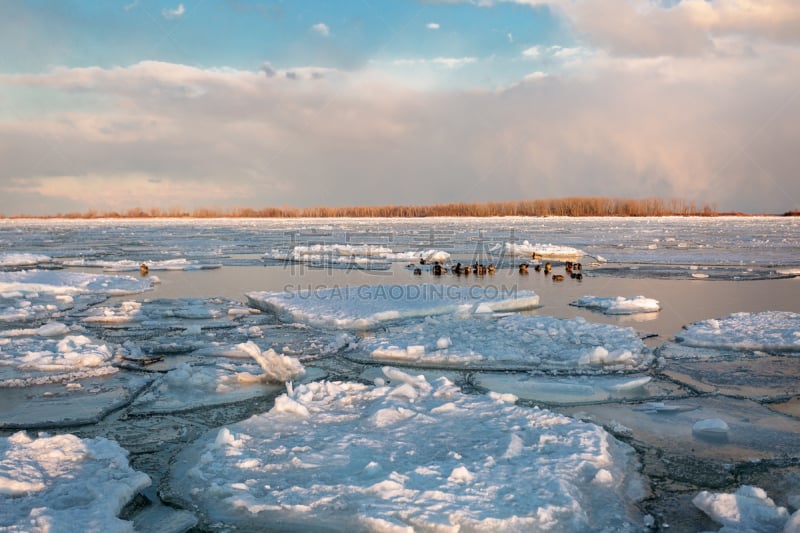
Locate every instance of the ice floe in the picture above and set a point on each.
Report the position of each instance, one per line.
(366, 257)
(512, 342)
(769, 331)
(128, 265)
(64, 483)
(189, 386)
(68, 283)
(542, 251)
(23, 259)
(455, 462)
(618, 305)
(362, 307)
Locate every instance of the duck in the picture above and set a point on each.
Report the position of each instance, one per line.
(558, 277)
(548, 267)
(523, 268)
(538, 268)
(457, 269)
(417, 271)
(467, 270)
(490, 268)
(438, 270)
(144, 269)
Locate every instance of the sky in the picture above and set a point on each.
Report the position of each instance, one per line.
(240, 103)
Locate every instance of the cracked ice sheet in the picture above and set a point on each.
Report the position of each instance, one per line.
(519, 342)
(618, 305)
(769, 331)
(63, 483)
(363, 307)
(455, 461)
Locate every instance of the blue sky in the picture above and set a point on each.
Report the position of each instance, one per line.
(112, 105)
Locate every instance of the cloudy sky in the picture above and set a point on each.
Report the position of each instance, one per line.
(242, 103)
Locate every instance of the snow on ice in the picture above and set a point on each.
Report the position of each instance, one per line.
(363, 256)
(63, 483)
(618, 305)
(364, 307)
(320, 455)
(747, 509)
(770, 331)
(514, 341)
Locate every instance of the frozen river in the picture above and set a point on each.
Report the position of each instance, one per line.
(300, 375)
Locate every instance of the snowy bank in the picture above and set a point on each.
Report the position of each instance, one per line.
(368, 306)
(512, 342)
(456, 462)
(63, 483)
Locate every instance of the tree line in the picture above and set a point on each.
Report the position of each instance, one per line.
(570, 206)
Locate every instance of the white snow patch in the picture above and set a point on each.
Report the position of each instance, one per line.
(542, 251)
(18, 259)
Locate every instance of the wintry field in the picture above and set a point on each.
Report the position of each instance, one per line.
(350, 375)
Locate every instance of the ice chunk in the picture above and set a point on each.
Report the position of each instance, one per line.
(451, 462)
(510, 342)
(769, 331)
(63, 483)
(618, 305)
(368, 306)
(70, 283)
(277, 367)
(748, 509)
(710, 427)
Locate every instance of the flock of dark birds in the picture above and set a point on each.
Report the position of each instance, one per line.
(573, 270)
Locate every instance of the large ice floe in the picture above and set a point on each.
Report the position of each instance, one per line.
(525, 342)
(409, 455)
(770, 331)
(63, 483)
(353, 256)
(129, 265)
(23, 259)
(618, 305)
(34, 295)
(542, 251)
(364, 307)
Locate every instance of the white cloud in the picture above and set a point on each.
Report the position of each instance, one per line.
(321, 28)
(173, 13)
(510, 37)
(447, 62)
(130, 6)
(432, 26)
(532, 52)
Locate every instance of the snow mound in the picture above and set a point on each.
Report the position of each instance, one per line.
(63, 483)
(456, 462)
(364, 306)
(618, 305)
(770, 331)
(516, 341)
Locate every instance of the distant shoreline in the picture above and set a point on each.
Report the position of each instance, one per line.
(569, 207)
